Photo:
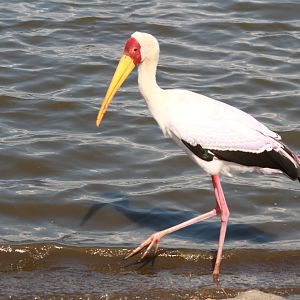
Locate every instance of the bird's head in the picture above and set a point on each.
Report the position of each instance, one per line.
(138, 48)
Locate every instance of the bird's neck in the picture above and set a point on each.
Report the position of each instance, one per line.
(152, 93)
(147, 80)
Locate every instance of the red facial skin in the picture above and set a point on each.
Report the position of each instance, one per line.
(133, 50)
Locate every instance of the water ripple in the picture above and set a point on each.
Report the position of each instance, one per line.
(59, 171)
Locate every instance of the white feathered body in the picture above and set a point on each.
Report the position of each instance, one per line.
(199, 120)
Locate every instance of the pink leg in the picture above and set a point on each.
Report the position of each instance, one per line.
(154, 239)
(222, 209)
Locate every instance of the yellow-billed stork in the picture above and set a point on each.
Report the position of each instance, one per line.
(218, 137)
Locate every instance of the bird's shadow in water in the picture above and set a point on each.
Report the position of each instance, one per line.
(158, 219)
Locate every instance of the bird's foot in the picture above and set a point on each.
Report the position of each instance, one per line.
(150, 244)
(216, 274)
(216, 279)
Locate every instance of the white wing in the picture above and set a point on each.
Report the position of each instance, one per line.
(215, 125)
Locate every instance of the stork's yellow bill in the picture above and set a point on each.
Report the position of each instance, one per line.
(130, 58)
(124, 68)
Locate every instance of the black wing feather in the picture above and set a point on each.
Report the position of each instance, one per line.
(199, 151)
(266, 159)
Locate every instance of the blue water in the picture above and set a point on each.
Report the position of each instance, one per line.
(65, 181)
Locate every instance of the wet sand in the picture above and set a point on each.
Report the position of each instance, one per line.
(70, 272)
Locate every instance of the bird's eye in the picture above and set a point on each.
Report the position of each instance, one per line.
(135, 49)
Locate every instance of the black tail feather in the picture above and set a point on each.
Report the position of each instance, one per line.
(283, 160)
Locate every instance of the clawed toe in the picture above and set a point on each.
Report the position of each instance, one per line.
(148, 246)
(134, 252)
